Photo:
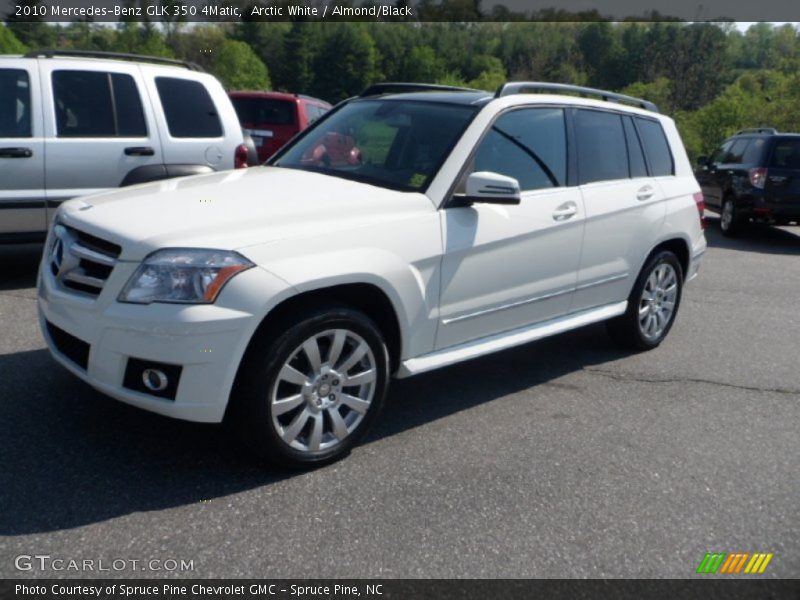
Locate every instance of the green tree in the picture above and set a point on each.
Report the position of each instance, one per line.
(345, 63)
(9, 44)
(238, 67)
(297, 73)
(422, 65)
(658, 91)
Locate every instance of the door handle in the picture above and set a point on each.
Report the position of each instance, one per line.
(645, 193)
(565, 211)
(16, 152)
(140, 151)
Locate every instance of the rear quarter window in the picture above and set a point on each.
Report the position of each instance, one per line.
(786, 154)
(188, 108)
(656, 147)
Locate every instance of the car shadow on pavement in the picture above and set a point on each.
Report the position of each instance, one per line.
(755, 238)
(70, 456)
(19, 264)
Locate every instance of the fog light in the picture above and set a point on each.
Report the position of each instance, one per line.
(155, 380)
(152, 378)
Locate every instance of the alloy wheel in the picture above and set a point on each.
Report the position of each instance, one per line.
(657, 303)
(323, 390)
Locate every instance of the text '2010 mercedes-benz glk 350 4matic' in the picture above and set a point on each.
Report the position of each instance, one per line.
(411, 228)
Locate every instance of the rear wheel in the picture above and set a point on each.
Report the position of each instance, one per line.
(652, 305)
(730, 223)
(311, 394)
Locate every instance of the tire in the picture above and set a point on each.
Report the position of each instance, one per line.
(293, 406)
(730, 223)
(652, 304)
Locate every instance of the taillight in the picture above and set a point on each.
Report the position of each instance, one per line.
(758, 177)
(700, 201)
(240, 157)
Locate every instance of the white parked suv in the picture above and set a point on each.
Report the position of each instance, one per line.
(411, 228)
(74, 123)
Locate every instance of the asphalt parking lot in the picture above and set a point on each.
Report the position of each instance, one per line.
(563, 458)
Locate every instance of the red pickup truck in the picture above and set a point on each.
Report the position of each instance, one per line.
(273, 118)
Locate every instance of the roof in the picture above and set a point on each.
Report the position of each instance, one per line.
(464, 98)
(273, 95)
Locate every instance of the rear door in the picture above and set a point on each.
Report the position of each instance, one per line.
(624, 205)
(22, 194)
(98, 127)
(197, 122)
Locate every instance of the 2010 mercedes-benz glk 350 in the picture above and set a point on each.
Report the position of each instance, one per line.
(411, 228)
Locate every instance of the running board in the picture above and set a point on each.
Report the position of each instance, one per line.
(508, 339)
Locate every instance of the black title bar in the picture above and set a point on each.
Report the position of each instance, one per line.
(113, 11)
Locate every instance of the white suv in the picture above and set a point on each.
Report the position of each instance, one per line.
(74, 123)
(411, 228)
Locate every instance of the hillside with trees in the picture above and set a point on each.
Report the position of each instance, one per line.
(711, 77)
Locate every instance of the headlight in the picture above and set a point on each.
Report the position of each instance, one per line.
(183, 276)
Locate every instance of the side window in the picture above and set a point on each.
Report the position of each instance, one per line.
(602, 151)
(97, 104)
(189, 109)
(721, 152)
(786, 154)
(736, 153)
(15, 104)
(635, 154)
(529, 145)
(753, 153)
(656, 147)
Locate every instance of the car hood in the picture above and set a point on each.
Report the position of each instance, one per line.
(235, 209)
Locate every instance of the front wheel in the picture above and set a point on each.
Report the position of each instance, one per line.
(310, 395)
(652, 305)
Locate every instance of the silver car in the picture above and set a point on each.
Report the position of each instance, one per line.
(75, 123)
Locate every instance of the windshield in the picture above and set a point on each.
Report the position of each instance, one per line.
(391, 143)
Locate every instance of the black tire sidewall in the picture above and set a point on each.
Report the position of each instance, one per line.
(632, 313)
(263, 368)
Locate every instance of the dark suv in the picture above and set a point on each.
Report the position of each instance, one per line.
(753, 176)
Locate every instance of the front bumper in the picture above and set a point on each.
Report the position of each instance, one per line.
(206, 341)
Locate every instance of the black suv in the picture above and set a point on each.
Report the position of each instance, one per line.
(753, 176)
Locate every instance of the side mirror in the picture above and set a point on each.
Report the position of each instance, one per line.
(490, 188)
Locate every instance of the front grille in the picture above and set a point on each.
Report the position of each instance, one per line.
(73, 348)
(82, 262)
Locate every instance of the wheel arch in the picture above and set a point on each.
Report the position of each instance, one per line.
(368, 298)
(679, 246)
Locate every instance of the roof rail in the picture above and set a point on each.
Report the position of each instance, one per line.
(524, 87)
(377, 89)
(50, 53)
(769, 130)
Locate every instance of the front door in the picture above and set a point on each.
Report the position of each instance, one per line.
(98, 127)
(505, 267)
